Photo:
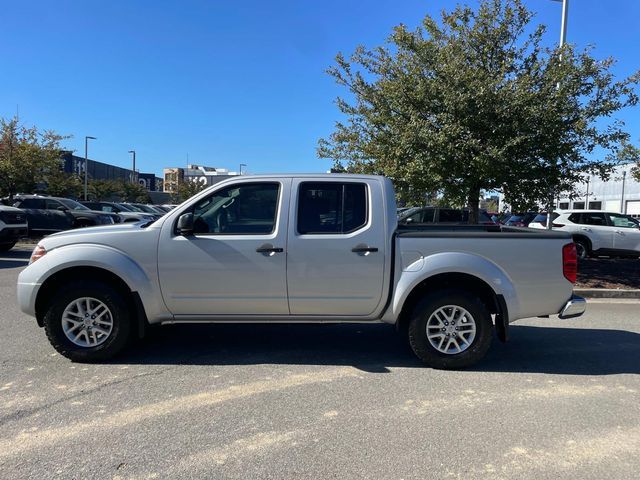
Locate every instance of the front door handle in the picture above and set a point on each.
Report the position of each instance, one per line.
(364, 249)
(269, 249)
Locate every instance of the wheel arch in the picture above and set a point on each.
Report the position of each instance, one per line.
(451, 281)
(52, 284)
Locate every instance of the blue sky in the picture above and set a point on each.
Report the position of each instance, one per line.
(226, 82)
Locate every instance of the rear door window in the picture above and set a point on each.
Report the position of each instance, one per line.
(331, 207)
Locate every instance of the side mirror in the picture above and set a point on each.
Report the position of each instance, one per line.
(409, 220)
(185, 224)
(62, 209)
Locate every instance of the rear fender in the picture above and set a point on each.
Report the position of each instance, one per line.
(421, 268)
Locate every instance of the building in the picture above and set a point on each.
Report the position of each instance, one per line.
(72, 164)
(173, 176)
(621, 193)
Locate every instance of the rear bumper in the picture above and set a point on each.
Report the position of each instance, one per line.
(11, 234)
(575, 307)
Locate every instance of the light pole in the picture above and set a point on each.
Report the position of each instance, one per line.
(242, 165)
(86, 164)
(133, 175)
(563, 39)
(624, 178)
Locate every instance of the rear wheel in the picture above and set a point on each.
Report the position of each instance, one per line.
(450, 329)
(5, 247)
(88, 322)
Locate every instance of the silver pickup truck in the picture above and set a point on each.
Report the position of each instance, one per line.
(298, 248)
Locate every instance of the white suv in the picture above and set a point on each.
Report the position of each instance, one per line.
(596, 232)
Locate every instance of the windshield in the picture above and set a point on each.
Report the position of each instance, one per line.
(72, 204)
(130, 208)
(144, 208)
(125, 208)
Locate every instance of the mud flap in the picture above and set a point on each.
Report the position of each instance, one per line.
(502, 319)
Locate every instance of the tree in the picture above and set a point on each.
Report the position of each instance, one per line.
(62, 184)
(99, 190)
(134, 192)
(476, 103)
(188, 188)
(27, 156)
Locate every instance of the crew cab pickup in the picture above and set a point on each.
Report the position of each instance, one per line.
(298, 248)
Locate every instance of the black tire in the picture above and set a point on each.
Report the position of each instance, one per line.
(428, 353)
(5, 247)
(582, 248)
(112, 298)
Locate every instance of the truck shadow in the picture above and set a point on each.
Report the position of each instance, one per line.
(376, 348)
(14, 258)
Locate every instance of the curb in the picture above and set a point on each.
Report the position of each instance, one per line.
(606, 293)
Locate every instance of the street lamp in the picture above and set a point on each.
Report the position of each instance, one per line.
(624, 178)
(86, 164)
(563, 39)
(242, 165)
(133, 175)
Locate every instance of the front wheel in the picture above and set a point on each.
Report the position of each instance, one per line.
(582, 248)
(450, 329)
(88, 322)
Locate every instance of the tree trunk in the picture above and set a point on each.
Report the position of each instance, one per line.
(473, 201)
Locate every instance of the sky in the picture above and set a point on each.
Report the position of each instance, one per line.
(220, 83)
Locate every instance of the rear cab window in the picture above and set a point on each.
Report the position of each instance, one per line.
(331, 207)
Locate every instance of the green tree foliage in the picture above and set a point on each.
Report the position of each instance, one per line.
(61, 184)
(134, 192)
(104, 190)
(187, 189)
(27, 156)
(476, 102)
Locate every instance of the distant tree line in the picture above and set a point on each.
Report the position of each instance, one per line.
(30, 162)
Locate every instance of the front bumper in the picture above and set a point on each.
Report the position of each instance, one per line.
(575, 307)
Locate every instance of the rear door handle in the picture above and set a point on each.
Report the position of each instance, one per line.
(269, 249)
(363, 249)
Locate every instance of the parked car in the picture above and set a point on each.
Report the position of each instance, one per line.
(13, 226)
(418, 215)
(298, 248)
(54, 214)
(540, 220)
(126, 214)
(521, 219)
(599, 233)
(142, 208)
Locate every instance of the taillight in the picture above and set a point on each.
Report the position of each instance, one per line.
(37, 253)
(570, 262)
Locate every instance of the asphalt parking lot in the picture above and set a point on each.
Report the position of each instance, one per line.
(560, 400)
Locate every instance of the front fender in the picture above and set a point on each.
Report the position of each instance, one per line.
(421, 268)
(90, 255)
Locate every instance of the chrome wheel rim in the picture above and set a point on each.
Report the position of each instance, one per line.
(451, 329)
(581, 250)
(87, 322)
